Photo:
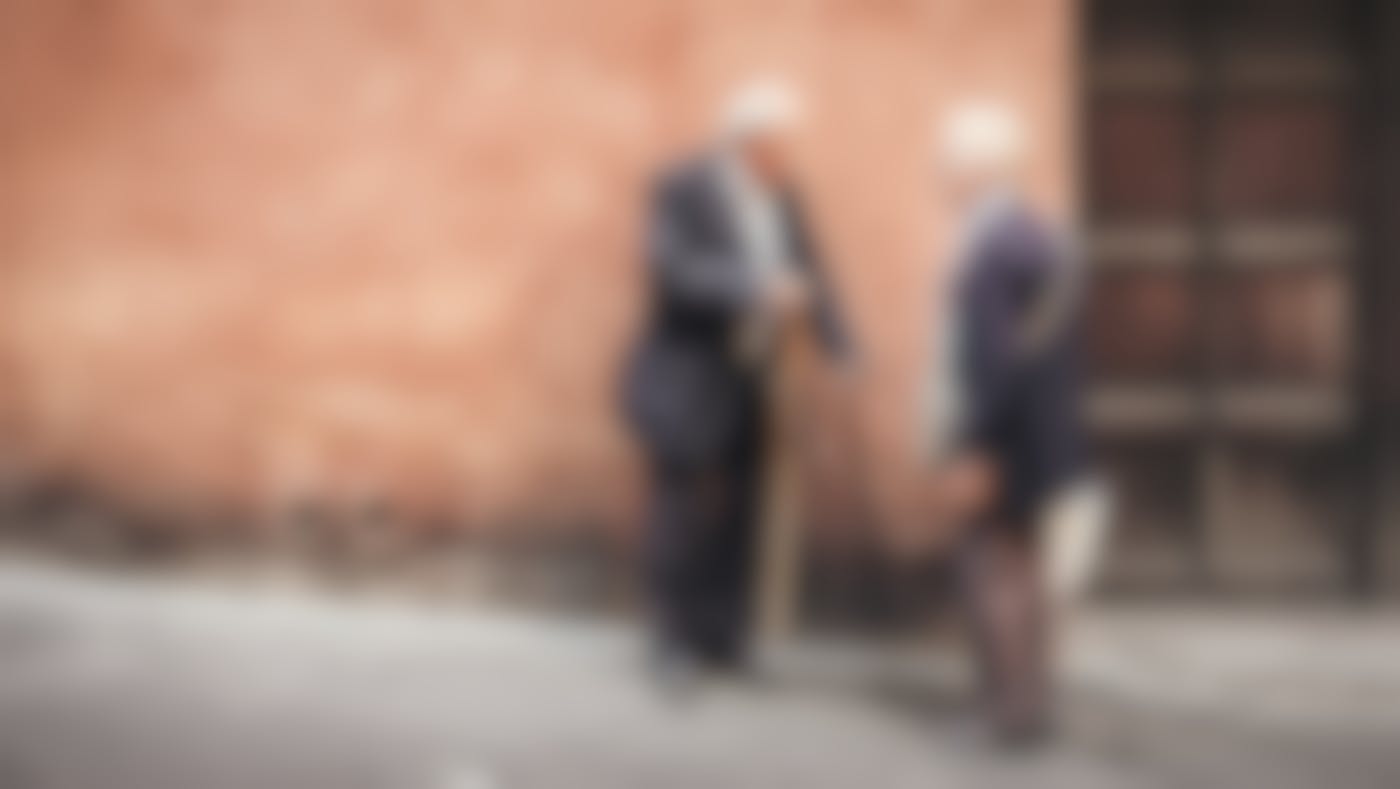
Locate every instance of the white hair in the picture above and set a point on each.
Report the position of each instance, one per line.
(760, 106)
(982, 136)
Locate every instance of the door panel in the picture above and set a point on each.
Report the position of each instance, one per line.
(1222, 175)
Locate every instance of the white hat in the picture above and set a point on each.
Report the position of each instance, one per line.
(982, 135)
(758, 106)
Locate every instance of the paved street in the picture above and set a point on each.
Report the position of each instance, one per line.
(118, 684)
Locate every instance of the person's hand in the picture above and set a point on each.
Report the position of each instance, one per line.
(786, 296)
(966, 486)
(847, 379)
(850, 371)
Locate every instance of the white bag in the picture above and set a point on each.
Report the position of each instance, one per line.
(1074, 529)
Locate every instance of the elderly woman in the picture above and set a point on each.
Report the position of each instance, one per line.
(1007, 433)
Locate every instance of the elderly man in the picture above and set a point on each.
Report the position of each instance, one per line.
(1007, 433)
(731, 263)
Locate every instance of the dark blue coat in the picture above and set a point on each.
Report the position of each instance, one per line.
(687, 394)
(1020, 299)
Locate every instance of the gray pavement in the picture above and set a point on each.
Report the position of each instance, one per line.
(116, 683)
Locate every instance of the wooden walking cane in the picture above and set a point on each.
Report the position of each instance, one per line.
(780, 533)
(792, 407)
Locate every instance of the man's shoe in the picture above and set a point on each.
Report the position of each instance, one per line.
(676, 674)
(1025, 734)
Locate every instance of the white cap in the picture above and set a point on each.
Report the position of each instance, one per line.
(982, 136)
(760, 106)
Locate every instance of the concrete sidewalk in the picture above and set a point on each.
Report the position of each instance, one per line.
(109, 683)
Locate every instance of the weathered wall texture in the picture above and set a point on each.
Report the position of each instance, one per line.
(252, 250)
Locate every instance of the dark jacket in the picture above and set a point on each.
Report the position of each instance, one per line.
(686, 392)
(1020, 298)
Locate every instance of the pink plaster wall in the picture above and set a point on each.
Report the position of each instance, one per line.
(256, 249)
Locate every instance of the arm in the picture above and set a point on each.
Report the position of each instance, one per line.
(991, 336)
(827, 317)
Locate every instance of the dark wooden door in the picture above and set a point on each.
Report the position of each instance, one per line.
(1229, 154)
